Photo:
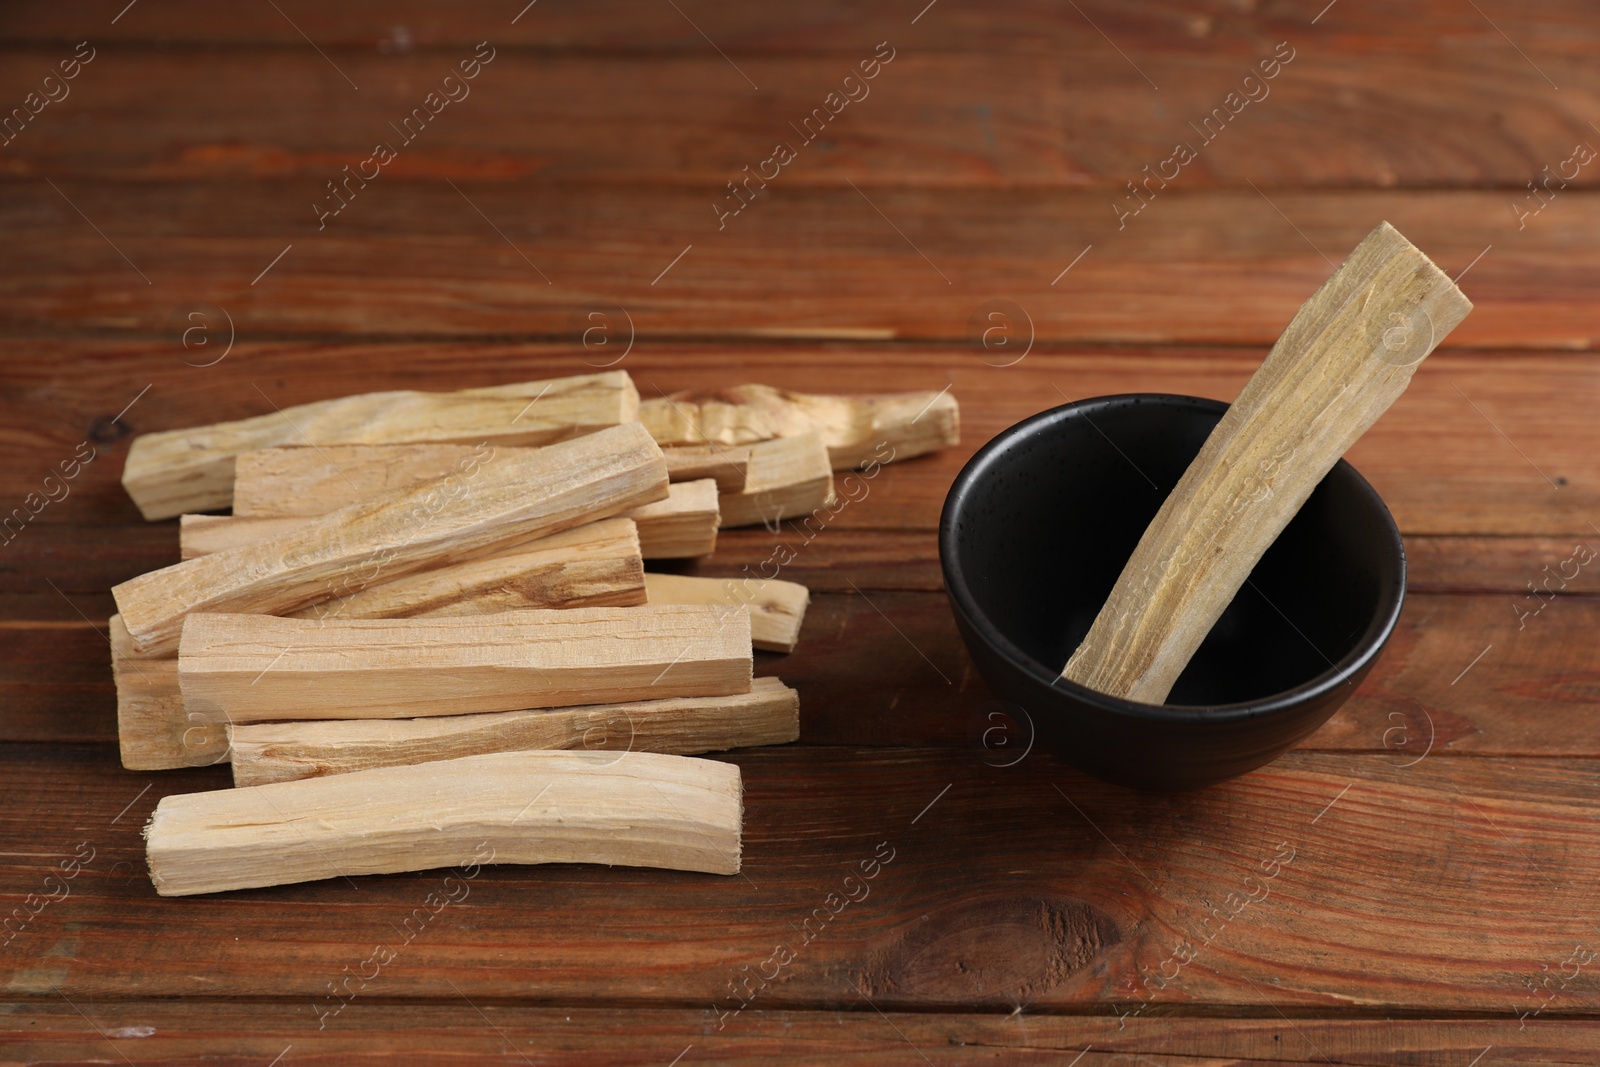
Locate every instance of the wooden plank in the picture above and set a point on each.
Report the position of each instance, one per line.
(373, 1031)
(622, 120)
(858, 430)
(1560, 27)
(633, 809)
(1452, 458)
(175, 471)
(456, 518)
(1235, 278)
(1072, 113)
(250, 668)
(788, 477)
(84, 562)
(1411, 866)
(777, 607)
(285, 751)
(1530, 695)
(685, 524)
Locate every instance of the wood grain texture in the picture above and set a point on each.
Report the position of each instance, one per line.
(993, 151)
(682, 525)
(777, 607)
(594, 565)
(725, 466)
(1529, 695)
(85, 562)
(251, 668)
(858, 430)
(1057, 107)
(633, 809)
(456, 518)
(256, 1030)
(285, 751)
(1347, 355)
(154, 729)
(1416, 865)
(306, 480)
(429, 267)
(787, 478)
(1560, 27)
(175, 471)
(1482, 443)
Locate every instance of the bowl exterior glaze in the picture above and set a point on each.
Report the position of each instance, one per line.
(1036, 529)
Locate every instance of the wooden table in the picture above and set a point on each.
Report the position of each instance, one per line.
(1415, 884)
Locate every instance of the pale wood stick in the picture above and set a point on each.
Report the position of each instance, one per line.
(314, 481)
(205, 535)
(684, 524)
(856, 429)
(635, 809)
(1347, 355)
(284, 751)
(787, 476)
(777, 608)
(251, 668)
(505, 501)
(175, 471)
(154, 731)
(605, 543)
(725, 465)
(594, 565)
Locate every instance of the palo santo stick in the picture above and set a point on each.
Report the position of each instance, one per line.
(153, 729)
(594, 565)
(284, 751)
(505, 501)
(1347, 355)
(787, 476)
(726, 466)
(635, 809)
(204, 535)
(251, 668)
(315, 481)
(777, 608)
(684, 524)
(856, 429)
(169, 473)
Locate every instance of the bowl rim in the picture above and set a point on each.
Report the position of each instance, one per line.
(1352, 664)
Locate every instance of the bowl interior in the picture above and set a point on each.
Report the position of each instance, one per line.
(1051, 511)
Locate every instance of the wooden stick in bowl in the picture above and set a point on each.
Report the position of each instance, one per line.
(1346, 356)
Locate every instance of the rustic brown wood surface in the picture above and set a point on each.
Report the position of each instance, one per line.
(1413, 885)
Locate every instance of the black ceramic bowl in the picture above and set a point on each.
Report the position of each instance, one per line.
(1040, 523)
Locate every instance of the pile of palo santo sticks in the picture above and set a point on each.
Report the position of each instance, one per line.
(427, 627)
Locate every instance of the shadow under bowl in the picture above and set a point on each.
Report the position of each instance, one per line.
(1040, 523)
